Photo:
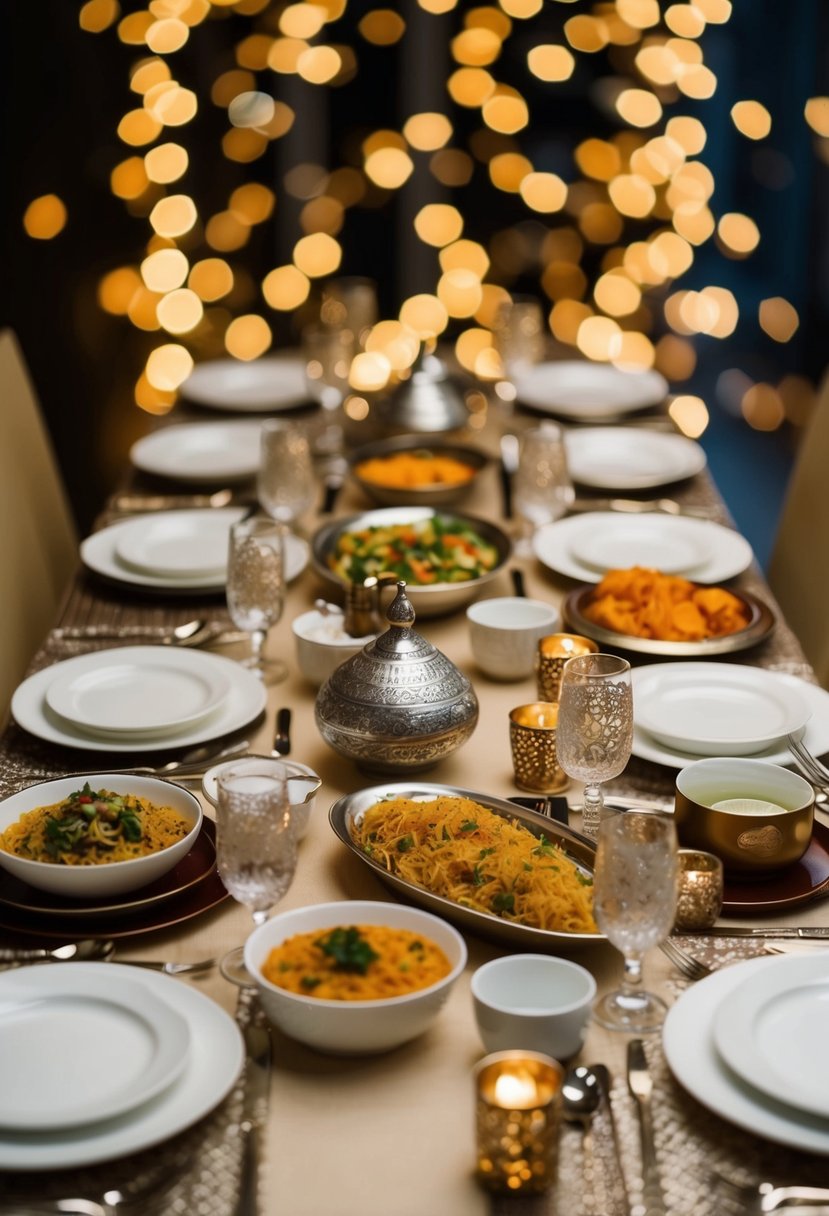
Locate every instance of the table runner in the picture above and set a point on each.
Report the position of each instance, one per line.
(339, 1130)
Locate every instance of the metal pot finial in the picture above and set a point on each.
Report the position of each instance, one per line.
(400, 611)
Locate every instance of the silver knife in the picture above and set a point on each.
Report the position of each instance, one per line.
(254, 1113)
(806, 933)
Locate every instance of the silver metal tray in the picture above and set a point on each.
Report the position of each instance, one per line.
(349, 810)
(759, 627)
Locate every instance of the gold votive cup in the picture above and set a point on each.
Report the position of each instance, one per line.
(532, 736)
(517, 1112)
(699, 890)
(553, 653)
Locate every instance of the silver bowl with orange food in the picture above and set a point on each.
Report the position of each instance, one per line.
(414, 471)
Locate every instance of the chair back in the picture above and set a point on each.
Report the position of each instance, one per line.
(799, 566)
(38, 541)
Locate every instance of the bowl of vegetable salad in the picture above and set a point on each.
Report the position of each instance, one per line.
(444, 557)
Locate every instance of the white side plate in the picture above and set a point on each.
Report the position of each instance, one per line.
(618, 458)
(579, 389)
(275, 382)
(178, 544)
(77, 1049)
(201, 452)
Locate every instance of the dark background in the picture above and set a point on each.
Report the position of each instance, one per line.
(65, 90)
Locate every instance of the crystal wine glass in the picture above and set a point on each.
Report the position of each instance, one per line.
(595, 726)
(286, 485)
(256, 847)
(634, 901)
(542, 490)
(256, 588)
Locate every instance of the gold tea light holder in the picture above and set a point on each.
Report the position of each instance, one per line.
(553, 653)
(699, 890)
(532, 733)
(517, 1113)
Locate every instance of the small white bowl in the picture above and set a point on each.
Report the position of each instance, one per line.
(533, 1002)
(353, 1027)
(504, 634)
(322, 643)
(108, 878)
(303, 784)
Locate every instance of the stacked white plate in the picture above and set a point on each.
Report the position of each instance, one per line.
(175, 550)
(149, 1056)
(201, 452)
(587, 545)
(276, 382)
(683, 711)
(138, 698)
(749, 1042)
(588, 392)
(618, 458)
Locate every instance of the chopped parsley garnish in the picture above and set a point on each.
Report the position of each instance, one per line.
(349, 950)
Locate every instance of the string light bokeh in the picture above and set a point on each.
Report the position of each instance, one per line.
(615, 236)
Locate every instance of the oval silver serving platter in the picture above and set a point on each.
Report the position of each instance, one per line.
(429, 599)
(761, 623)
(348, 811)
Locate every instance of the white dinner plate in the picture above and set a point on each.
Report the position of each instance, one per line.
(726, 708)
(244, 702)
(724, 552)
(77, 1049)
(201, 452)
(137, 689)
(99, 554)
(275, 382)
(772, 1031)
(214, 1062)
(815, 735)
(618, 458)
(178, 544)
(640, 540)
(688, 1040)
(587, 391)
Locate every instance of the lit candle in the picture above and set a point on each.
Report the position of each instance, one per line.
(553, 653)
(517, 1120)
(699, 890)
(532, 732)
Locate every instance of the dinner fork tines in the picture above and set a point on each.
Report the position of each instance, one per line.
(755, 1199)
(812, 769)
(690, 967)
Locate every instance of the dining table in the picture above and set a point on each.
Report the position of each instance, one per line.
(395, 1133)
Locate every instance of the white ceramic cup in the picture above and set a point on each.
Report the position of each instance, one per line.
(533, 1002)
(504, 634)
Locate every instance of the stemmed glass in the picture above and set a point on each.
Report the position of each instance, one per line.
(256, 847)
(634, 901)
(542, 491)
(594, 736)
(286, 486)
(256, 588)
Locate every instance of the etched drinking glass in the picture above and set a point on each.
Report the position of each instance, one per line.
(542, 490)
(634, 902)
(256, 847)
(256, 588)
(286, 486)
(595, 726)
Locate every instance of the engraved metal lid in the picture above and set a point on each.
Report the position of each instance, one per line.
(400, 702)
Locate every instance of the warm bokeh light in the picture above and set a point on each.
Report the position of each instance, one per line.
(285, 288)
(211, 279)
(248, 337)
(738, 234)
(424, 315)
(45, 217)
(816, 112)
(180, 311)
(369, 372)
(778, 318)
(164, 270)
(117, 288)
(543, 191)
(389, 167)
(168, 366)
(317, 255)
(438, 224)
(427, 131)
(551, 62)
(751, 119)
(174, 215)
(166, 163)
(690, 415)
(382, 26)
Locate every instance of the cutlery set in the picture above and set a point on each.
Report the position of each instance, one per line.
(102, 950)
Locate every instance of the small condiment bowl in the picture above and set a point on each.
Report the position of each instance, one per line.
(322, 643)
(533, 1002)
(107, 878)
(504, 633)
(749, 839)
(353, 1027)
(303, 784)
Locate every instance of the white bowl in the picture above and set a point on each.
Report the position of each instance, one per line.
(504, 634)
(353, 1027)
(322, 644)
(533, 1002)
(108, 878)
(303, 784)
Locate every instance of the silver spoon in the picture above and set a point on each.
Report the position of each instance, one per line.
(581, 1093)
(175, 637)
(83, 951)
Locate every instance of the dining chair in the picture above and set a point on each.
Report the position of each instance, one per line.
(799, 567)
(38, 541)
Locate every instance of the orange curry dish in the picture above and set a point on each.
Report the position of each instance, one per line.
(647, 604)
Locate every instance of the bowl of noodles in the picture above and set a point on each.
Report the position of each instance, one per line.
(101, 834)
(355, 977)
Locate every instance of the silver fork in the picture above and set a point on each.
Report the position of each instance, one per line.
(690, 967)
(133, 1202)
(808, 764)
(758, 1198)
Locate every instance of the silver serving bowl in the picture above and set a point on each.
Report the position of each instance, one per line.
(439, 495)
(432, 599)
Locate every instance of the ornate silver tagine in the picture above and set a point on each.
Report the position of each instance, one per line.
(400, 704)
